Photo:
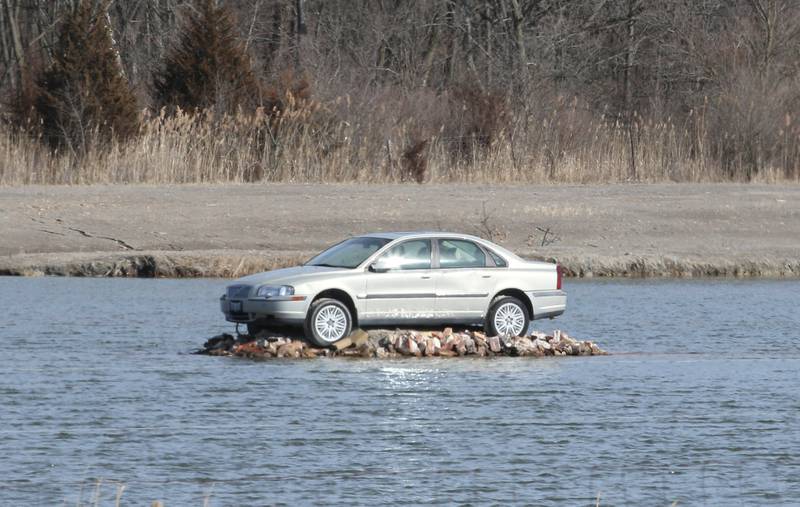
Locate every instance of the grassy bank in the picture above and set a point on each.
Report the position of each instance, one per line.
(237, 264)
(307, 145)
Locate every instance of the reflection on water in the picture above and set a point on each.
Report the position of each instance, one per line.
(698, 406)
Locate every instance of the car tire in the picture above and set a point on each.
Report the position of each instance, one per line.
(328, 321)
(504, 317)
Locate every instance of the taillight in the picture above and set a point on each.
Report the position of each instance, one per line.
(559, 275)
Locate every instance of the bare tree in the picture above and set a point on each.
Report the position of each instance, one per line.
(724, 71)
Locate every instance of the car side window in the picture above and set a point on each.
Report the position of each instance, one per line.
(458, 253)
(414, 254)
(498, 261)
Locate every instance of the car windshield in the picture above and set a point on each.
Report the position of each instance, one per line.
(349, 253)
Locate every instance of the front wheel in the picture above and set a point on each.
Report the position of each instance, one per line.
(507, 317)
(327, 322)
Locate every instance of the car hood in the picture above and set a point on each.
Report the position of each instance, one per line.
(288, 276)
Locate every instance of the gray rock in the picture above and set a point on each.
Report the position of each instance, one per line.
(469, 345)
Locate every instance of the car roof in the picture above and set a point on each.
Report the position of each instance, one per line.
(419, 234)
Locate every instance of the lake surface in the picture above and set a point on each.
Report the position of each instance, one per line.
(699, 404)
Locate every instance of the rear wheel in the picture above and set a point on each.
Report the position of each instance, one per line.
(507, 316)
(328, 321)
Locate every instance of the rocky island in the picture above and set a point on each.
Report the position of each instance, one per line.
(385, 344)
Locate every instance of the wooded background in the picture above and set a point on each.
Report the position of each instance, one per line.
(557, 90)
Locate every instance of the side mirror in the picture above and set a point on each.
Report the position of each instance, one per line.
(379, 266)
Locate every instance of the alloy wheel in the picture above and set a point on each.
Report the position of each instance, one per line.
(330, 323)
(509, 320)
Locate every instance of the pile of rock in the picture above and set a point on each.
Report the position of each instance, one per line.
(403, 343)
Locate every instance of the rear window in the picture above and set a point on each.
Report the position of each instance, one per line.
(459, 253)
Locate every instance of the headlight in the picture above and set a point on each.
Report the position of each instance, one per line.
(271, 291)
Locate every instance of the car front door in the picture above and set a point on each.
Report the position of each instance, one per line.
(401, 287)
(465, 281)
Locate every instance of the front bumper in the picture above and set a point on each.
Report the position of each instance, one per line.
(288, 310)
(547, 303)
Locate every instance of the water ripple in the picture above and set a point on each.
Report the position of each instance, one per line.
(698, 405)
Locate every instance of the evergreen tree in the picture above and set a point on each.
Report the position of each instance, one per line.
(209, 66)
(84, 97)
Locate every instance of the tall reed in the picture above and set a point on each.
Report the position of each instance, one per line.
(565, 145)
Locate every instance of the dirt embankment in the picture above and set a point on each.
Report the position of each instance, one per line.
(676, 230)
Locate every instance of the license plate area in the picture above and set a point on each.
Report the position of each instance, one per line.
(236, 306)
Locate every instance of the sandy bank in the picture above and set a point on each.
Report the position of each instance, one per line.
(230, 230)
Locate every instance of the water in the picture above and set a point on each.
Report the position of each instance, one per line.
(699, 404)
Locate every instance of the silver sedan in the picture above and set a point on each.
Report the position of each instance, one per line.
(400, 278)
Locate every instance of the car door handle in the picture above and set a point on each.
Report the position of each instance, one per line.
(486, 276)
(426, 277)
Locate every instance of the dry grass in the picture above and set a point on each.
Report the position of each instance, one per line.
(312, 144)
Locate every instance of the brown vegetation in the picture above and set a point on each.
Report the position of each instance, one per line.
(335, 90)
(82, 98)
(415, 161)
(208, 68)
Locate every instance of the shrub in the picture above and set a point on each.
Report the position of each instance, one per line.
(208, 67)
(83, 96)
(478, 119)
(415, 160)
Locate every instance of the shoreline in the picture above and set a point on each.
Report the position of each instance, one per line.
(233, 264)
(673, 230)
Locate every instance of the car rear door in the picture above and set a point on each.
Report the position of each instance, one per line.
(465, 282)
(401, 287)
